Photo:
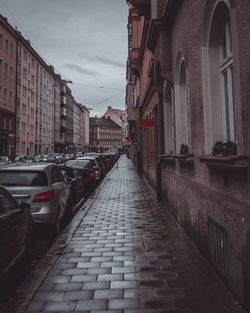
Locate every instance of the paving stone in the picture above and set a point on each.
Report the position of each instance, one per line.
(125, 269)
(96, 285)
(78, 295)
(49, 295)
(123, 284)
(75, 271)
(64, 306)
(68, 286)
(108, 294)
(109, 277)
(91, 305)
(124, 304)
(83, 278)
(104, 270)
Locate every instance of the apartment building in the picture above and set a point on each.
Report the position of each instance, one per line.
(103, 132)
(35, 101)
(188, 83)
(119, 117)
(8, 48)
(69, 145)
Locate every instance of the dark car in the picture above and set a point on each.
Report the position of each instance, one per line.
(85, 170)
(75, 182)
(17, 233)
(29, 159)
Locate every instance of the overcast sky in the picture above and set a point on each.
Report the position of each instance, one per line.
(85, 40)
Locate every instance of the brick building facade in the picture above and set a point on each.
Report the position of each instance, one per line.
(188, 70)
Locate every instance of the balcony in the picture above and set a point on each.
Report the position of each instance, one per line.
(63, 126)
(63, 113)
(63, 100)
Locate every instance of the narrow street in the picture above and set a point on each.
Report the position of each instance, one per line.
(123, 252)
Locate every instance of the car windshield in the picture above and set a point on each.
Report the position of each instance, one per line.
(23, 178)
(77, 163)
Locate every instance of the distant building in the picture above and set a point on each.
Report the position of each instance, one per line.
(104, 132)
(8, 48)
(80, 126)
(119, 117)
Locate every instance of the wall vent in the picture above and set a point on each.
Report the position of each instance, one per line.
(218, 245)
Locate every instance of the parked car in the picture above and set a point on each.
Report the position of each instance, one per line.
(100, 160)
(85, 170)
(75, 183)
(38, 158)
(43, 186)
(29, 159)
(19, 158)
(45, 158)
(95, 166)
(110, 160)
(4, 160)
(17, 234)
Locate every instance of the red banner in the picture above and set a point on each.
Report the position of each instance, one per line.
(147, 122)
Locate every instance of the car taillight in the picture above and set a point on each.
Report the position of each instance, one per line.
(91, 174)
(44, 196)
(109, 163)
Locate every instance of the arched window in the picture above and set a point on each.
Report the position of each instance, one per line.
(168, 118)
(219, 108)
(181, 104)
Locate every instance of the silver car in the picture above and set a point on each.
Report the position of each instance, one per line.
(42, 186)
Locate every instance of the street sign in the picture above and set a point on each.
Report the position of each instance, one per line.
(147, 122)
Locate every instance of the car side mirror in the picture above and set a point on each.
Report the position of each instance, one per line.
(24, 206)
(68, 180)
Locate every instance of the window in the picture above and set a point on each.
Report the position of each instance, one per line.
(25, 55)
(32, 79)
(10, 101)
(219, 106)
(5, 96)
(33, 63)
(11, 50)
(24, 91)
(181, 104)
(24, 73)
(6, 46)
(24, 109)
(6, 70)
(23, 127)
(1, 66)
(19, 52)
(18, 90)
(0, 94)
(1, 41)
(11, 72)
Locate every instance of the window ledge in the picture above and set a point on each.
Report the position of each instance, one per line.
(168, 159)
(183, 156)
(226, 163)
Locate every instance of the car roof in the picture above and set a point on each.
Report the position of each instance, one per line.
(27, 166)
(87, 158)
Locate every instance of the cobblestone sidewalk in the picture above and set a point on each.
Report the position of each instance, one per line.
(128, 255)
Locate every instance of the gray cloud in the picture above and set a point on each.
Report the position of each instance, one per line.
(79, 69)
(85, 41)
(108, 61)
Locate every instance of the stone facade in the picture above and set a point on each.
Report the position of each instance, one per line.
(190, 59)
